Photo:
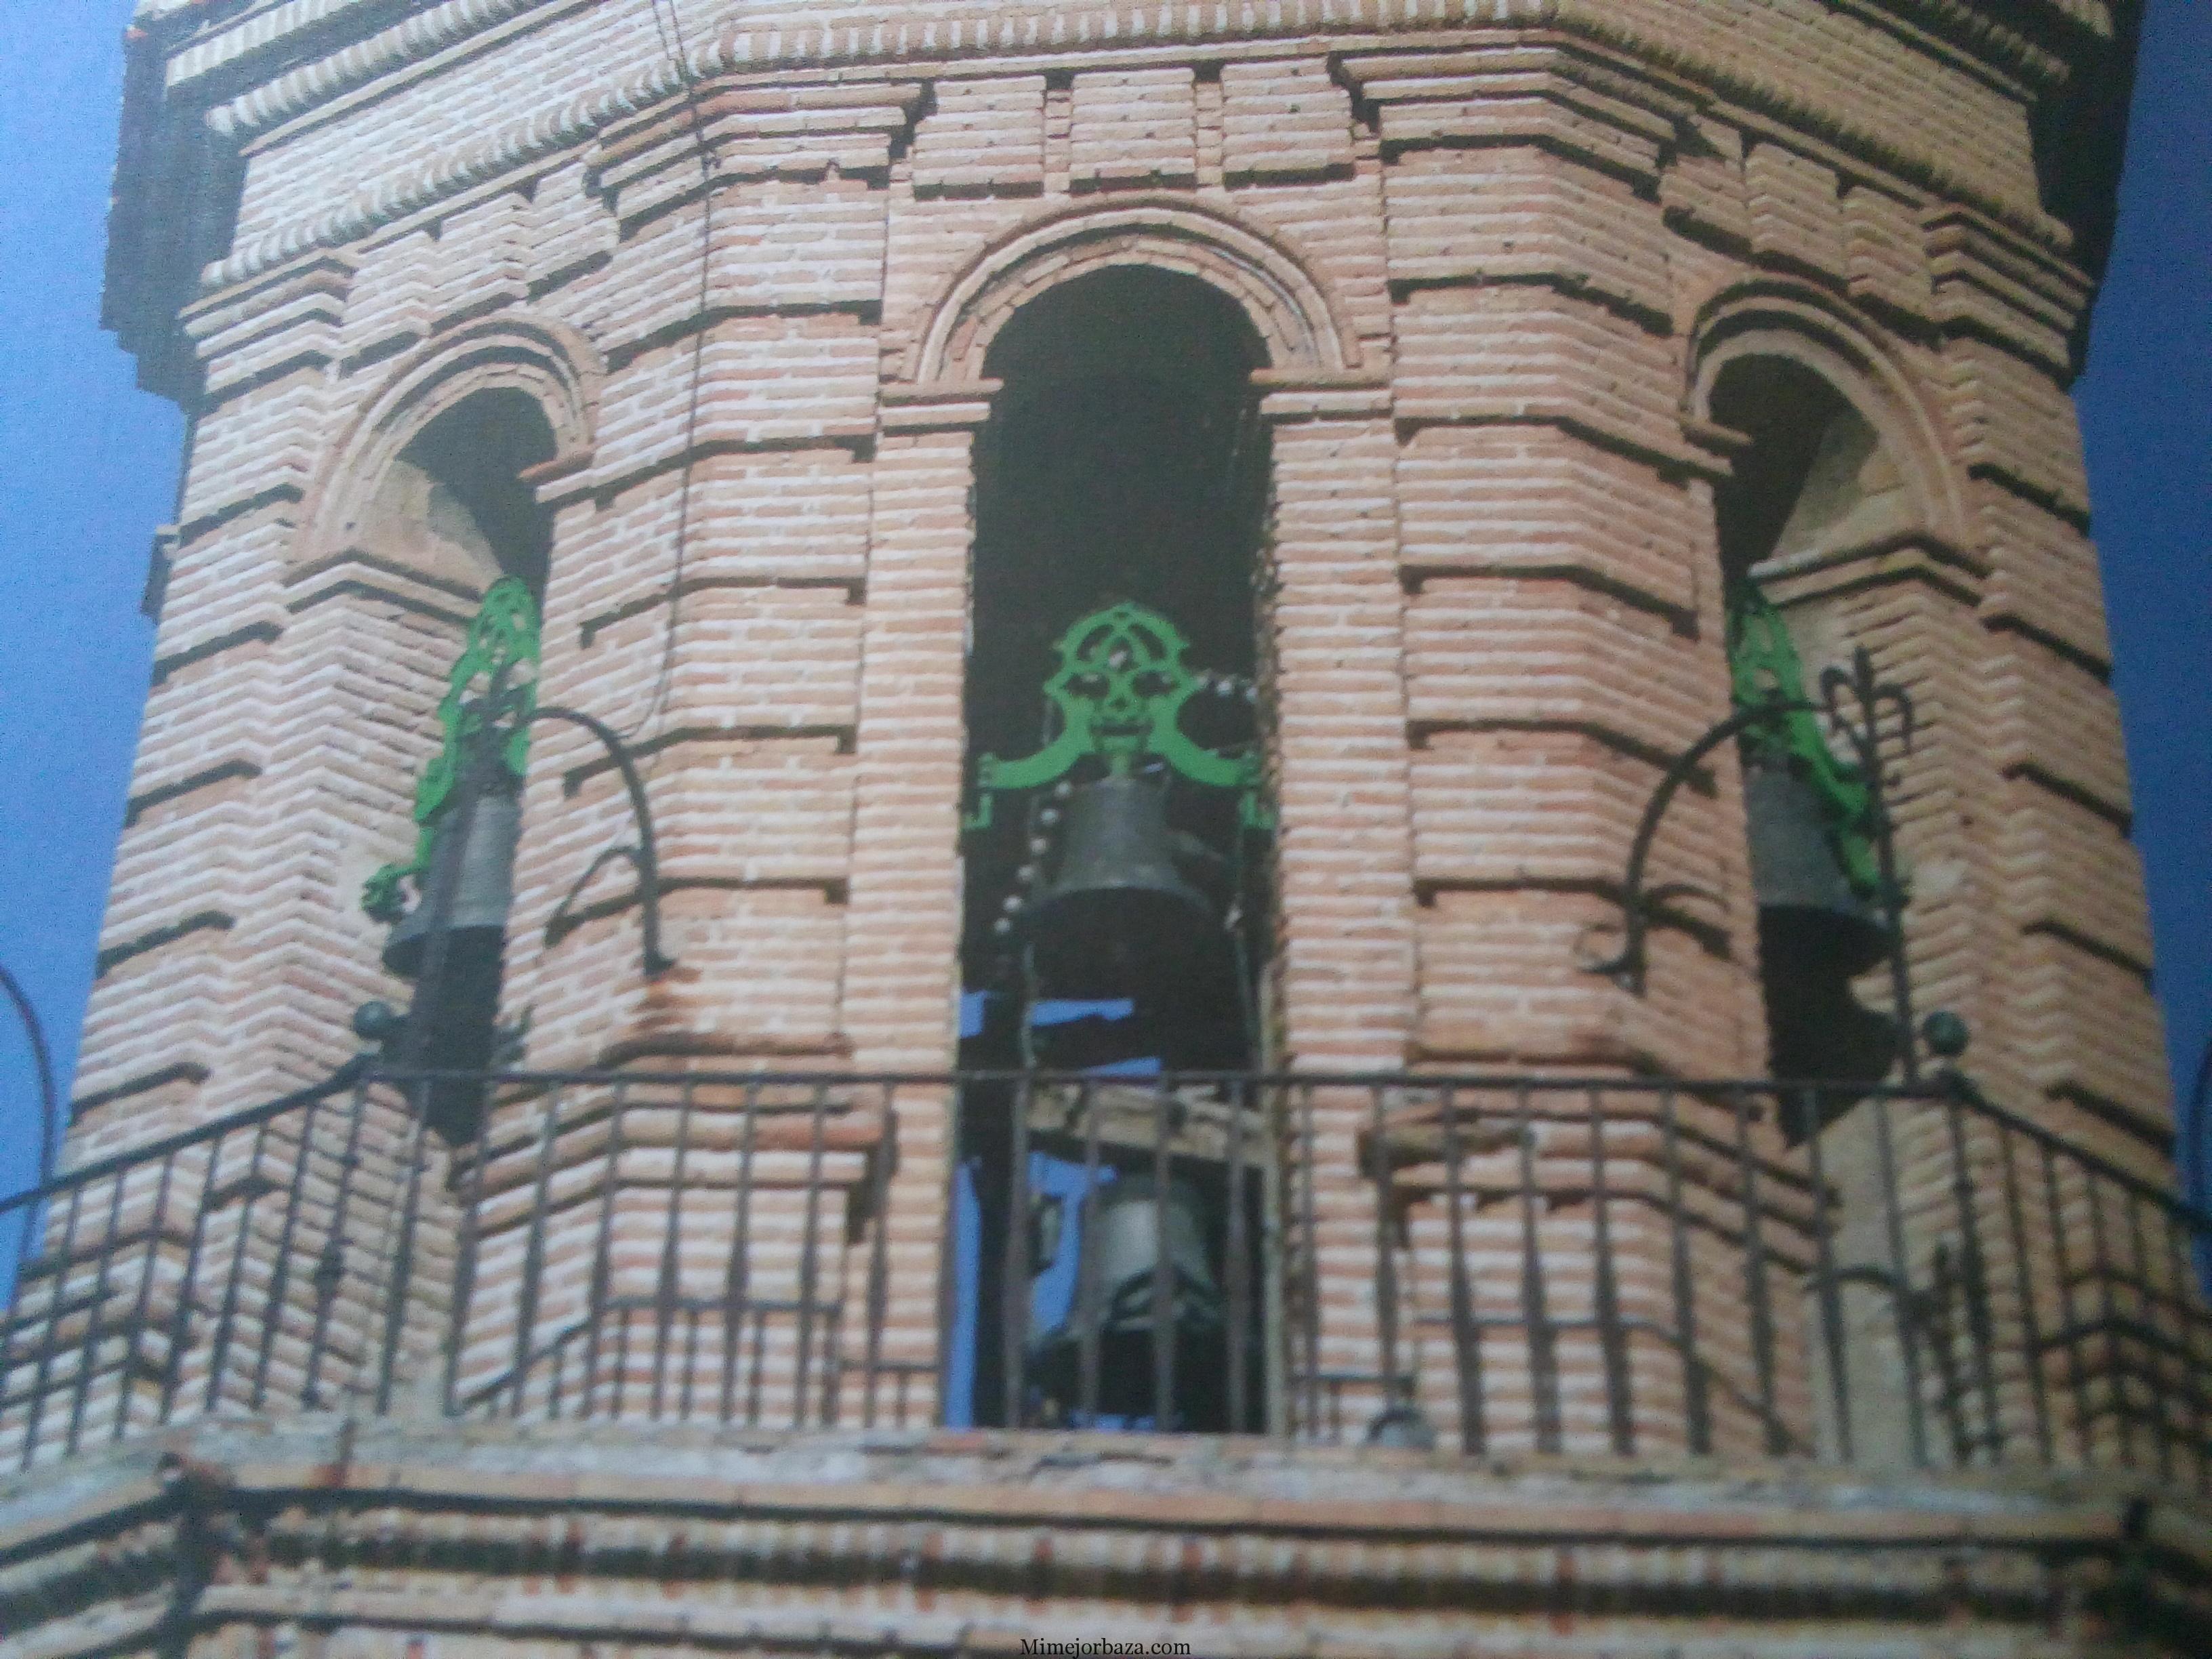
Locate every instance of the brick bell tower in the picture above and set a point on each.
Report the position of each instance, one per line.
(1286, 826)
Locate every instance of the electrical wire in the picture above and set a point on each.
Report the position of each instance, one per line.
(668, 30)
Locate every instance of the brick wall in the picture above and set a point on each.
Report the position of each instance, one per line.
(1494, 254)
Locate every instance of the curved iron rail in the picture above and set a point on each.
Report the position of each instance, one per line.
(1627, 967)
(643, 857)
(44, 1061)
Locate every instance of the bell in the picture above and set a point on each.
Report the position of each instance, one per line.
(1804, 896)
(458, 1018)
(1125, 1228)
(482, 895)
(1118, 919)
(1814, 935)
(1819, 1032)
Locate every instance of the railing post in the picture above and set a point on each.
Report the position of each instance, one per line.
(1696, 1394)
(1619, 1410)
(1827, 1291)
(1983, 1305)
(1014, 1286)
(403, 1261)
(1903, 1295)
(1466, 1335)
(465, 1273)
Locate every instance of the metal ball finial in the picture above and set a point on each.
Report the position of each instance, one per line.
(377, 1021)
(1945, 1034)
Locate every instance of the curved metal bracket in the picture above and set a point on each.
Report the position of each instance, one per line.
(44, 1063)
(1627, 968)
(1851, 700)
(1120, 690)
(643, 858)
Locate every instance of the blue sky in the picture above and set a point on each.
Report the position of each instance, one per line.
(91, 469)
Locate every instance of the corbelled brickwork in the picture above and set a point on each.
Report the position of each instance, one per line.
(1504, 260)
(530, 1545)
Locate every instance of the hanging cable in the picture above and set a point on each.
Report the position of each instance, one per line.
(668, 29)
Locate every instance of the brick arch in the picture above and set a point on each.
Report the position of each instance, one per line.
(552, 364)
(1802, 327)
(1300, 327)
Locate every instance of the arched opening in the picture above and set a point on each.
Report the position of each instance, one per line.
(456, 506)
(1814, 482)
(1816, 478)
(1117, 905)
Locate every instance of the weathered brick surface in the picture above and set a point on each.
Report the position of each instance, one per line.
(1494, 252)
(686, 1542)
(1133, 127)
(1283, 118)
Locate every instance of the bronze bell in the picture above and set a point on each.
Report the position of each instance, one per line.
(1815, 934)
(1118, 919)
(1800, 887)
(1126, 1229)
(482, 894)
(455, 1021)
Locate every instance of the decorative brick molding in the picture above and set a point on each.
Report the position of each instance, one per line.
(548, 362)
(1304, 329)
(521, 1541)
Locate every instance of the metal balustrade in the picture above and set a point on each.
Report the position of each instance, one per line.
(1605, 1266)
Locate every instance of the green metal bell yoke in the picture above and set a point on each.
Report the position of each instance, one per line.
(1765, 669)
(1119, 689)
(493, 685)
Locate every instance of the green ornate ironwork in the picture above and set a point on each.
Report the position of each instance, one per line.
(1120, 689)
(493, 685)
(1763, 666)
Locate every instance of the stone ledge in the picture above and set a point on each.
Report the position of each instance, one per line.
(881, 1543)
(968, 1542)
(1195, 1483)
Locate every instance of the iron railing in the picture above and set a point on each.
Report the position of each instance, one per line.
(1603, 1267)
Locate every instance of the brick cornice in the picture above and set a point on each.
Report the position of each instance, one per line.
(351, 572)
(957, 1544)
(912, 29)
(302, 88)
(753, 46)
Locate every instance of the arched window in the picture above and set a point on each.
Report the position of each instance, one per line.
(1117, 876)
(456, 506)
(1813, 482)
(453, 505)
(1125, 462)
